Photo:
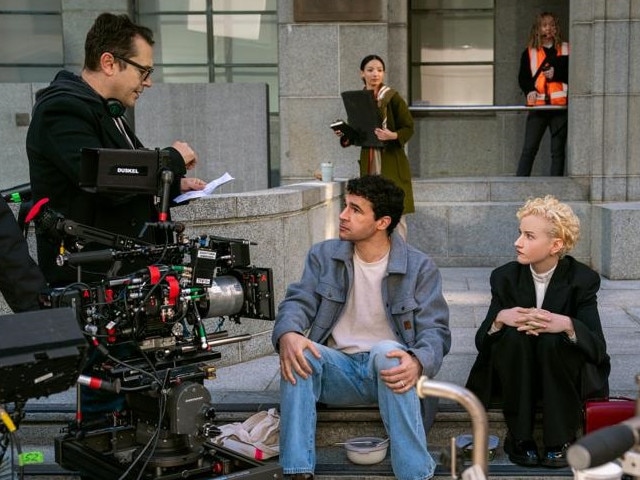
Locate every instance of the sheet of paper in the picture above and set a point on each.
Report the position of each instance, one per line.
(206, 191)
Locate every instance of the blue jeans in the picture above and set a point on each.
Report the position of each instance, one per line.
(341, 379)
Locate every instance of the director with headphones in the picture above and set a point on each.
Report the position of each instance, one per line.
(87, 111)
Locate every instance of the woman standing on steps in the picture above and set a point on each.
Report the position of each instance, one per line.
(541, 343)
(543, 78)
(389, 161)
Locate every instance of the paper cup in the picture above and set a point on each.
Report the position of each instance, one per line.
(327, 172)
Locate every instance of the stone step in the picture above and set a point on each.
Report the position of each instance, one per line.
(44, 422)
(508, 190)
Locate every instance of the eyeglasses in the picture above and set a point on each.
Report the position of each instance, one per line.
(145, 72)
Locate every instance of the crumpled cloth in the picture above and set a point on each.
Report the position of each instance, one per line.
(257, 437)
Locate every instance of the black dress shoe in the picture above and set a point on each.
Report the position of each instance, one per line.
(555, 457)
(521, 452)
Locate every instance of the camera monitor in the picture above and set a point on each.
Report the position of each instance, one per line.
(41, 353)
(106, 170)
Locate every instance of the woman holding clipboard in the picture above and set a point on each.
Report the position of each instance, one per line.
(394, 130)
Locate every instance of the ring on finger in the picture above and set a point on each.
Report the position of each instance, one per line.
(402, 382)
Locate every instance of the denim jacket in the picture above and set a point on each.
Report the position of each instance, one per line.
(411, 293)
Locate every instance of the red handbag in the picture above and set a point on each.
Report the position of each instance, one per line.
(600, 413)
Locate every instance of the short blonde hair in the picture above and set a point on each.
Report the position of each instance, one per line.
(565, 224)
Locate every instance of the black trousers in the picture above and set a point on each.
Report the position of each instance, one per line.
(537, 124)
(544, 369)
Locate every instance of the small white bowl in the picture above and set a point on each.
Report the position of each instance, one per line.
(366, 450)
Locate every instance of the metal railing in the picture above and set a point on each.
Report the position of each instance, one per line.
(471, 403)
(423, 110)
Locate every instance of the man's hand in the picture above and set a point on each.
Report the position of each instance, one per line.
(405, 376)
(292, 346)
(189, 183)
(188, 155)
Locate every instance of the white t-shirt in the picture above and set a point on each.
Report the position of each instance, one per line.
(363, 322)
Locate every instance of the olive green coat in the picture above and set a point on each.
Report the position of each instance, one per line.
(395, 164)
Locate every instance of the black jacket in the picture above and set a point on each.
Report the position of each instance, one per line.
(68, 116)
(572, 291)
(20, 278)
(560, 64)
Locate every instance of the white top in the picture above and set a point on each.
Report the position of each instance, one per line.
(363, 322)
(541, 282)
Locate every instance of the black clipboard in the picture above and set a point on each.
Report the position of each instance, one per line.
(363, 116)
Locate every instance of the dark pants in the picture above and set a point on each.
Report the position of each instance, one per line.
(537, 123)
(542, 369)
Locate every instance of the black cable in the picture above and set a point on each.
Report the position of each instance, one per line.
(10, 425)
(131, 367)
(18, 447)
(162, 409)
(154, 438)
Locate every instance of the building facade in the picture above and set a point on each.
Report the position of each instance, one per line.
(463, 156)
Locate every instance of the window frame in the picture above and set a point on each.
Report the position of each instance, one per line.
(213, 67)
(414, 13)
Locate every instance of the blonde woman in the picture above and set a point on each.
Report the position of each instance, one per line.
(542, 336)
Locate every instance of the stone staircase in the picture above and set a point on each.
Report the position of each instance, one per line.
(44, 422)
(241, 390)
(471, 221)
(459, 223)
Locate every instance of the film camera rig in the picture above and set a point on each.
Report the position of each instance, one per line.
(154, 338)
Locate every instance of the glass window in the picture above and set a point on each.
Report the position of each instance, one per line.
(31, 47)
(30, 5)
(155, 6)
(17, 74)
(214, 40)
(237, 5)
(179, 38)
(452, 52)
(268, 75)
(181, 74)
(245, 38)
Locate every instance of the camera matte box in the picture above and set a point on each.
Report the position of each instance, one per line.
(108, 170)
(41, 353)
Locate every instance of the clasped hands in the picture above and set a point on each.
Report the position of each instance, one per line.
(399, 379)
(534, 321)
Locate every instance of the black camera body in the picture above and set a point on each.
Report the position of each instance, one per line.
(158, 311)
(148, 335)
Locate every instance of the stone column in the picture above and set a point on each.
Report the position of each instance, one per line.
(317, 61)
(604, 140)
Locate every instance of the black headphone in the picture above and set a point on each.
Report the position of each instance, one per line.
(114, 107)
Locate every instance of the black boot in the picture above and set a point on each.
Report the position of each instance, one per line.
(521, 452)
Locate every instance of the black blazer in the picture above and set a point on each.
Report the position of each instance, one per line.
(20, 278)
(67, 117)
(572, 291)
